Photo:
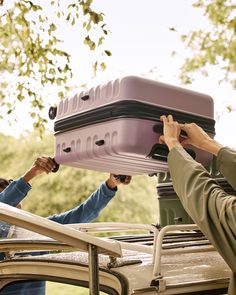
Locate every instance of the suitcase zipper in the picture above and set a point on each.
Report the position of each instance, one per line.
(129, 109)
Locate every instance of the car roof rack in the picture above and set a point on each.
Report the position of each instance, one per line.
(69, 235)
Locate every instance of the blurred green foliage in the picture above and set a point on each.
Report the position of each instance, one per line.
(32, 58)
(62, 289)
(215, 46)
(55, 193)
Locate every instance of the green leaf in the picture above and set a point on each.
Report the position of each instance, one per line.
(20, 97)
(61, 94)
(30, 51)
(108, 53)
(68, 16)
(100, 41)
(53, 27)
(103, 66)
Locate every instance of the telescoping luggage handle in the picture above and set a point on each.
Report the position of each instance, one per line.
(160, 151)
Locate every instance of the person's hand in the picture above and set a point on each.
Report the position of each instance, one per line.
(171, 132)
(112, 182)
(40, 165)
(197, 137)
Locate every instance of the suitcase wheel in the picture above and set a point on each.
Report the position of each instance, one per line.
(56, 167)
(52, 113)
(120, 177)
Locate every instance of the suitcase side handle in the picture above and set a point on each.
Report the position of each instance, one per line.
(100, 142)
(160, 152)
(85, 97)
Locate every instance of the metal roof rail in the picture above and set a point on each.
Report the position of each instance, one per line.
(68, 235)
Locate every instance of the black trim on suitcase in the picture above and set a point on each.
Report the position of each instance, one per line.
(129, 109)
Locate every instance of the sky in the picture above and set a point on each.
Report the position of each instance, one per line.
(142, 44)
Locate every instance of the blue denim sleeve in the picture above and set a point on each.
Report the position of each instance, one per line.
(12, 195)
(89, 209)
(15, 192)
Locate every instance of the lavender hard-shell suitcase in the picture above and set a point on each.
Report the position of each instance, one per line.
(115, 127)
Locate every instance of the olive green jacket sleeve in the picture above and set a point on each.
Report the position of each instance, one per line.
(205, 201)
(226, 164)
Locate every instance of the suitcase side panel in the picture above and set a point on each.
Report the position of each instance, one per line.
(131, 137)
(169, 96)
(123, 148)
(139, 89)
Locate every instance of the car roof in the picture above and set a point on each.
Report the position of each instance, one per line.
(175, 259)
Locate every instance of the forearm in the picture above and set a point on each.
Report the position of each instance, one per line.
(210, 145)
(89, 209)
(28, 176)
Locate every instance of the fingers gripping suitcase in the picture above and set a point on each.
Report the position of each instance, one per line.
(115, 127)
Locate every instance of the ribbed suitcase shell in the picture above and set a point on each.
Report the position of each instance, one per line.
(95, 130)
